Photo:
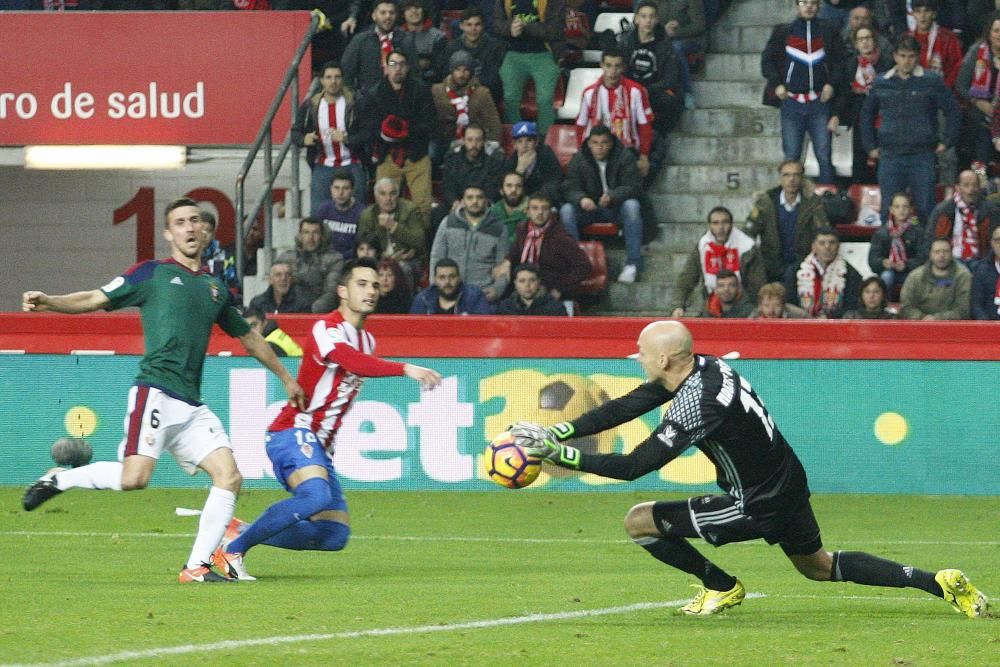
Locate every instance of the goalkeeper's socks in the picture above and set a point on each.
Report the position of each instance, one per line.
(862, 568)
(100, 475)
(312, 536)
(678, 552)
(311, 496)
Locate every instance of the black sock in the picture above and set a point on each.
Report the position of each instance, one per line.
(677, 552)
(862, 568)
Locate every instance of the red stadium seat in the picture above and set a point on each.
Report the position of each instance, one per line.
(562, 140)
(559, 94)
(597, 281)
(600, 229)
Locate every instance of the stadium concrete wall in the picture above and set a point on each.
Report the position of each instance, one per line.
(869, 407)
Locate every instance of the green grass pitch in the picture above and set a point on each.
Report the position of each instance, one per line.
(476, 579)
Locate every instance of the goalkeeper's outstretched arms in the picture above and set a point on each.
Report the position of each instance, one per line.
(647, 396)
(542, 443)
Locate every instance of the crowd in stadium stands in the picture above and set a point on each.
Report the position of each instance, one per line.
(434, 146)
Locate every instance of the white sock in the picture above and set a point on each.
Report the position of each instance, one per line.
(100, 475)
(216, 515)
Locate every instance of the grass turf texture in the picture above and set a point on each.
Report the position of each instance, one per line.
(93, 574)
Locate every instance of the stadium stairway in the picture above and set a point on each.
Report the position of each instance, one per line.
(723, 151)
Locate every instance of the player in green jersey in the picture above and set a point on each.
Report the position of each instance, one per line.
(179, 304)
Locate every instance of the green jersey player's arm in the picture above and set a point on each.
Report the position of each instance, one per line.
(71, 304)
(259, 349)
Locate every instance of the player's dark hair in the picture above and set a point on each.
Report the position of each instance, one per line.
(474, 126)
(531, 267)
(720, 209)
(512, 173)
(177, 203)
(207, 217)
(648, 3)
(356, 263)
(446, 262)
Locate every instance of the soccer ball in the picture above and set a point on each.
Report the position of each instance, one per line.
(508, 465)
(71, 452)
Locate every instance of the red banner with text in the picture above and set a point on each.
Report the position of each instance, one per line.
(189, 78)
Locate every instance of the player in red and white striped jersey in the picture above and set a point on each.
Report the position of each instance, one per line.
(338, 355)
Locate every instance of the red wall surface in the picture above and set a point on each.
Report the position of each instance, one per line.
(583, 337)
(101, 77)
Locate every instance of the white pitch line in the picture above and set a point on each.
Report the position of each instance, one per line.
(187, 649)
(459, 538)
(231, 644)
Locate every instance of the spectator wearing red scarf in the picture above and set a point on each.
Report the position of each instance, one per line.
(720, 248)
(965, 220)
(898, 246)
(542, 240)
(826, 284)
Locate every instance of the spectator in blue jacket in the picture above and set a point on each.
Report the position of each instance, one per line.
(908, 99)
(985, 300)
(449, 295)
(803, 62)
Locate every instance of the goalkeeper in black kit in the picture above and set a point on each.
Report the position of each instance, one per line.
(765, 491)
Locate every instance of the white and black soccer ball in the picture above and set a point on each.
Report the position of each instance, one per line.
(71, 452)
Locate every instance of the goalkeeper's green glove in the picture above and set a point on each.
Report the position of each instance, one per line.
(542, 443)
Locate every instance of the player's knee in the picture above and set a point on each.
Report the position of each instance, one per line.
(639, 521)
(134, 480)
(334, 535)
(231, 480)
(815, 573)
(816, 567)
(315, 492)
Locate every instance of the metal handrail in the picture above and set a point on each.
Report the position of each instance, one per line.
(264, 140)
